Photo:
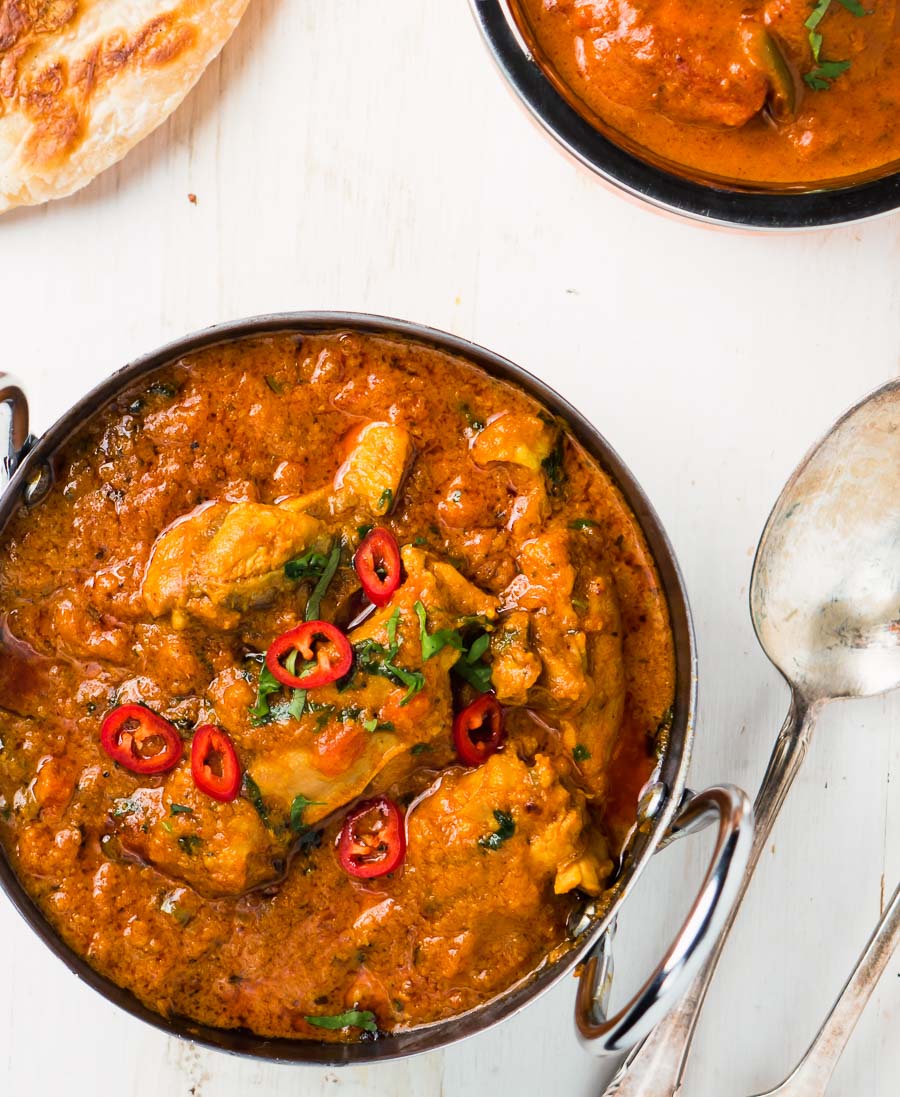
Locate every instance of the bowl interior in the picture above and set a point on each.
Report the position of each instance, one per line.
(620, 163)
(671, 769)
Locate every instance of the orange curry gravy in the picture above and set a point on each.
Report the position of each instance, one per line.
(154, 573)
(731, 90)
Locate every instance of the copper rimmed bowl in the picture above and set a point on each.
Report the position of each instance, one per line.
(666, 806)
(639, 178)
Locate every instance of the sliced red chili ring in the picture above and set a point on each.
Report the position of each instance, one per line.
(329, 660)
(377, 563)
(140, 740)
(372, 841)
(214, 764)
(478, 731)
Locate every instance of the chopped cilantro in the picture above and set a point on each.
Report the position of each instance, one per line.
(554, 466)
(581, 753)
(821, 76)
(265, 686)
(252, 793)
(125, 807)
(506, 828)
(298, 703)
(299, 805)
(375, 658)
(315, 599)
(310, 565)
(353, 1018)
(434, 642)
(190, 843)
(180, 809)
(385, 501)
(582, 523)
(421, 748)
(471, 668)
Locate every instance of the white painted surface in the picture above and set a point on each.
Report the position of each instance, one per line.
(366, 156)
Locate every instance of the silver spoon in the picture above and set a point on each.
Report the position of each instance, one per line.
(825, 603)
(811, 1077)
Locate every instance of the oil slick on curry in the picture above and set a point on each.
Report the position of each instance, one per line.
(783, 93)
(331, 670)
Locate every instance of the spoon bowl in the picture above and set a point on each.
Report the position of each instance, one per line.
(825, 593)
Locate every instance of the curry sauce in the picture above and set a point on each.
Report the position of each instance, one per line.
(179, 783)
(785, 93)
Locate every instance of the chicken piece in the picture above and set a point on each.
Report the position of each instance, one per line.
(522, 820)
(219, 849)
(690, 64)
(377, 458)
(224, 558)
(332, 762)
(544, 587)
(515, 438)
(514, 666)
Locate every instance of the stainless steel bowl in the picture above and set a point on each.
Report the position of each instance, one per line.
(640, 179)
(665, 808)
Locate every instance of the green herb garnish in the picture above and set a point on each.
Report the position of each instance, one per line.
(275, 385)
(266, 685)
(581, 753)
(434, 642)
(252, 793)
(582, 523)
(554, 466)
(375, 658)
(315, 599)
(385, 501)
(821, 76)
(506, 828)
(125, 807)
(471, 668)
(353, 1018)
(421, 748)
(180, 809)
(190, 843)
(310, 565)
(299, 805)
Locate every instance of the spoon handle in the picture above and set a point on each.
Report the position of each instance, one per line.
(817, 1065)
(656, 1068)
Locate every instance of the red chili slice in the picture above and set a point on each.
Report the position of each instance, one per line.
(377, 563)
(478, 730)
(214, 764)
(140, 740)
(330, 660)
(372, 841)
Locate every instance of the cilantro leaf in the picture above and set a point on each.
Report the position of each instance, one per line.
(266, 685)
(353, 1018)
(315, 599)
(506, 828)
(310, 565)
(434, 642)
(298, 806)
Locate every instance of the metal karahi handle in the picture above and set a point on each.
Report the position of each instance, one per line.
(605, 1035)
(13, 426)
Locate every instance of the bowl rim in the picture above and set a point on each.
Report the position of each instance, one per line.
(773, 211)
(669, 777)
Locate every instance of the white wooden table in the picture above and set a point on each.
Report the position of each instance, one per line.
(365, 155)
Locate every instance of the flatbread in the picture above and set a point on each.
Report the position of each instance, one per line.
(82, 81)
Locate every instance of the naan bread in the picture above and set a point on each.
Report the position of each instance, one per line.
(82, 81)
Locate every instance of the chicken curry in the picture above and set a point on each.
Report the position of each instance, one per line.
(331, 669)
(783, 92)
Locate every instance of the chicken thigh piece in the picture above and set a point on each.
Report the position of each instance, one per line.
(225, 558)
